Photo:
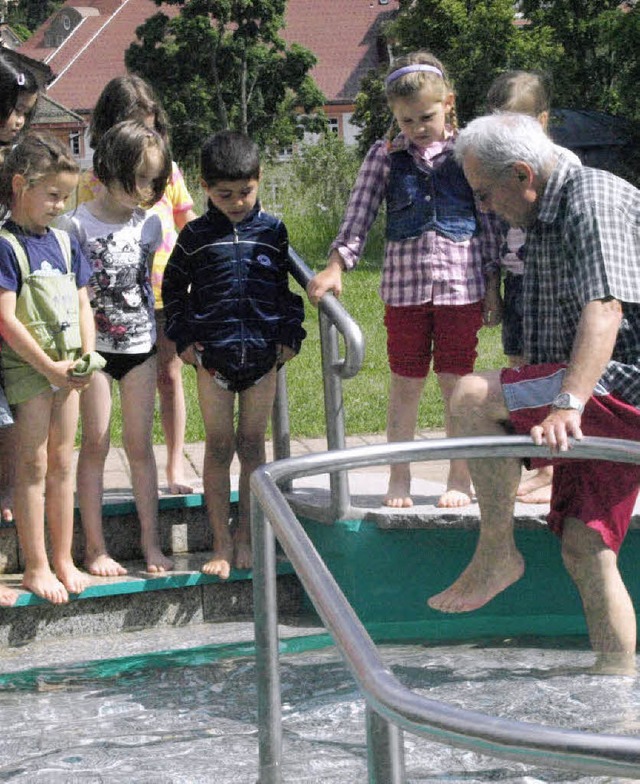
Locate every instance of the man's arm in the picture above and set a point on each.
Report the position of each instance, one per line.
(592, 350)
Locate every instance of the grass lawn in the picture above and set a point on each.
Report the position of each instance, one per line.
(365, 395)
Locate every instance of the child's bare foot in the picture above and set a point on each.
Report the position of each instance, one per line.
(45, 584)
(220, 564)
(157, 562)
(536, 489)
(6, 512)
(243, 558)
(485, 577)
(180, 488)
(454, 499)
(72, 578)
(8, 596)
(103, 565)
(399, 491)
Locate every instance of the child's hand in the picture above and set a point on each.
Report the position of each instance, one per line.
(492, 308)
(189, 355)
(60, 375)
(330, 279)
(284, 353)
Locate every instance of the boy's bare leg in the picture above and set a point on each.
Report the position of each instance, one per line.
(32, 431)
(402, 417)
(7, 472)
(477, 408)
(608, 609)
(216, 405)
(95, 408)
(256, 404)
(537, 488)
(172, 412)
(137, 397)
(59, 489)
(458, 492)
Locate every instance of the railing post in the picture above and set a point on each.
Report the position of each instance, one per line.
(385, 750)
(265, 610)
(334, 413)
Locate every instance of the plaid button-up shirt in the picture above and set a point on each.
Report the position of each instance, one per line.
(429, 268)
(584, 246)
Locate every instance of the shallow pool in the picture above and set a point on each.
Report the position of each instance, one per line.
(190, 717)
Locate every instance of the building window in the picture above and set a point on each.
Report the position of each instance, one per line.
(334, 125)
(74, 143)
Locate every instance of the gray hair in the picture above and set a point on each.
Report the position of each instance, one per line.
(500, 140)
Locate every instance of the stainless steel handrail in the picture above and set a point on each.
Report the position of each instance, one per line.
(333, 320)
(392, 704)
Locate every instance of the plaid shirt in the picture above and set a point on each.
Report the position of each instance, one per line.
(584, 246)
(429, 268)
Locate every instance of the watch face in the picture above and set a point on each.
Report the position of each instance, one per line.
(562, 401)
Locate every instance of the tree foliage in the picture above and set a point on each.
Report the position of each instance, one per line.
(222, 64)
(30, 14)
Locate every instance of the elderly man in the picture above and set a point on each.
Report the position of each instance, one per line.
(582, 343)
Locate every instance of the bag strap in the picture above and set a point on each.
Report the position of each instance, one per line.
(63, 239)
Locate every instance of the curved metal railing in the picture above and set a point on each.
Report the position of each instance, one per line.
(391, 706)
(333, 320)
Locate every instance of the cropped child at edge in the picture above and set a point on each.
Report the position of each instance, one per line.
(231, 314)
(46, 322)
(522, 92)
(433, 273)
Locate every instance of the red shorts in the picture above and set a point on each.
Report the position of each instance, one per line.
(448, 333)
(600, 493)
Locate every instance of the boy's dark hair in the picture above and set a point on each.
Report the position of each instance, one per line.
(14, 81)
(229, 155)
(126, 98)
(36, 156)
(121, 151)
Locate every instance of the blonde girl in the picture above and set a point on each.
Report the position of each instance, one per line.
(46, 323)
(120, 238)
(432, 279)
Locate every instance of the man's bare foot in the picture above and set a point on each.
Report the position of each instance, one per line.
(103, 565)
(157, 561)
(536, 489)
(485, 577)
(8, 596)
(454, 499)
(45, 584)
(220, 564)
(74, 580)
(179, 488)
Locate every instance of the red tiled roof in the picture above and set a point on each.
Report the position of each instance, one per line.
(341, 33)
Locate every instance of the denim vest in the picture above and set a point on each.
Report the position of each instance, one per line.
(417, 201)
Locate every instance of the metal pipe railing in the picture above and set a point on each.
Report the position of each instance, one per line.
(395, 705)
(333, 320)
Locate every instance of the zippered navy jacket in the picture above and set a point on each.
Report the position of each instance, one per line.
(226, 286)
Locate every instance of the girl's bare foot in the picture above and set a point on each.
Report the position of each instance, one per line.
(179, 488)
(8, 596)
(458, 492)
(454, 499)
(399, 491)
(72, 578)
(103, 565)
(243, 558)
(536, 489)
(45, 584)
(157, 562)
(220, 564)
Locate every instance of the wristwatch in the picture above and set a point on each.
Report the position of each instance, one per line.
(566, 400)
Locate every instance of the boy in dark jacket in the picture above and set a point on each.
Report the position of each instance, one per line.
(230, 312)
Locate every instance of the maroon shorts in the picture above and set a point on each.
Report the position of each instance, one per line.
(448, 333)
(600, 493)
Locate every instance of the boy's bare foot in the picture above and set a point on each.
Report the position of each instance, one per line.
(453, 498)
(103, 565)
(45, 584)
(8, 596)
(484, 578)
(243, 555)
(157, 561)
(74, 580)
(220, 564)
(536, 489)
